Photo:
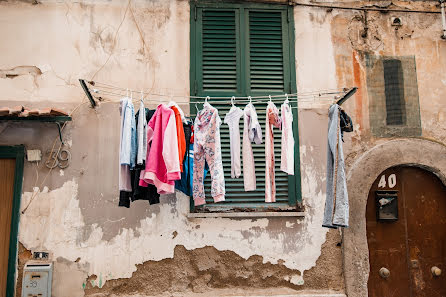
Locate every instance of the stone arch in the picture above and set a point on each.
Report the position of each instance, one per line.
(361, 174)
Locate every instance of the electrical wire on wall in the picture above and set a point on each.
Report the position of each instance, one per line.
(127, 8)
(379, 9)
(35, 193)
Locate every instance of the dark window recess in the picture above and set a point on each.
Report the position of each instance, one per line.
(394, 91)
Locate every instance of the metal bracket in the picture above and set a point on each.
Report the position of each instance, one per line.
(87, 92)
(45, 119)
(60, 132)
(347, 95)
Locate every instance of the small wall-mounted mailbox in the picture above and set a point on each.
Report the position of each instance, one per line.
(386, 206)
(37, 279)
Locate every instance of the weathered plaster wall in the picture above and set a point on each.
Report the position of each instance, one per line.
(49, 46)
(74, 213)
(367, 156)
(109, 250)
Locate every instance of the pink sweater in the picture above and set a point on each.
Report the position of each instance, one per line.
(162, 164)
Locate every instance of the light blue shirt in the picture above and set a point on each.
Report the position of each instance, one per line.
(127, 154)
(336, 212)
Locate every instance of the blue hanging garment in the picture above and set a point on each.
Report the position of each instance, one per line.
(185, 183)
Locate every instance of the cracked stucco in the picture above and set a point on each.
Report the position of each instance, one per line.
(55, 222)
(74, 218)
(86, 39)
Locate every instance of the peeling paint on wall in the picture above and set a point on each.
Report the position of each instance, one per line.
(54, 222)
(20, 70)
(80, 223)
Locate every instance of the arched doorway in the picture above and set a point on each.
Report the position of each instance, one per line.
(406, 234)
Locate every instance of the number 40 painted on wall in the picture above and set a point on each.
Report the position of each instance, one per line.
(391, 181)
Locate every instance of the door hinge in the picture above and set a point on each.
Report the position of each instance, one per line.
(195, 13)
(288, 14)
(289, 88)
(195, 87)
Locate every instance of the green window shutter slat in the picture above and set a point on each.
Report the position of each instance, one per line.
(219, 56)
(266, 52)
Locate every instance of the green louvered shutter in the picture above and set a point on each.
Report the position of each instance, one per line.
(266, 52)
(258, 39)
(220, 48)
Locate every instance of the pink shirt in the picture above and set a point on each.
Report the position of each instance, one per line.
(162, 161)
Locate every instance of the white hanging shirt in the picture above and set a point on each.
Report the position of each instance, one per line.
(141, 131)
(287, 157)
(232, 118)
(252, 132)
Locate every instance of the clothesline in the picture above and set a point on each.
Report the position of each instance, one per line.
(99, 86)
(291, 98)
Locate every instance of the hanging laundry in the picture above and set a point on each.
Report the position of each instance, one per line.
(149, 193)
(287, 156)
(140, 191)
(144, 191)
(346, 123)
(185, 184)
(251, 132)
(141, 128)
(125, 142)
(272, 120)
(180, 136)
(188, 128)
(232, 118)
(183, 117)
(128, 141)
(336, 212)
(207, 147)
(162, 164)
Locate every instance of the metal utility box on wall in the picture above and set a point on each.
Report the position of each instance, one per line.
(386, 206)
(37, 279)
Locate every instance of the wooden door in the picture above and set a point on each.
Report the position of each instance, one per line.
(7, 168)
(412, 245)
(387, 243)
(426, 232)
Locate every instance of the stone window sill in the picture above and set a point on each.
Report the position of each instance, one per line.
(299, 214)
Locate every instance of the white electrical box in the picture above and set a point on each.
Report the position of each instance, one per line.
(33, 155)
(37, 279)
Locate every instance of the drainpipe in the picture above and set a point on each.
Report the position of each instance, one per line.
(443, 18)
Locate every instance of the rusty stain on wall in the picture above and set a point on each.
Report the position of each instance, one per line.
(358, 98)
(23, 255)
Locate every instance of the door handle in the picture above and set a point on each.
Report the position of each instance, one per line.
(436, 271)
(384, 272)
